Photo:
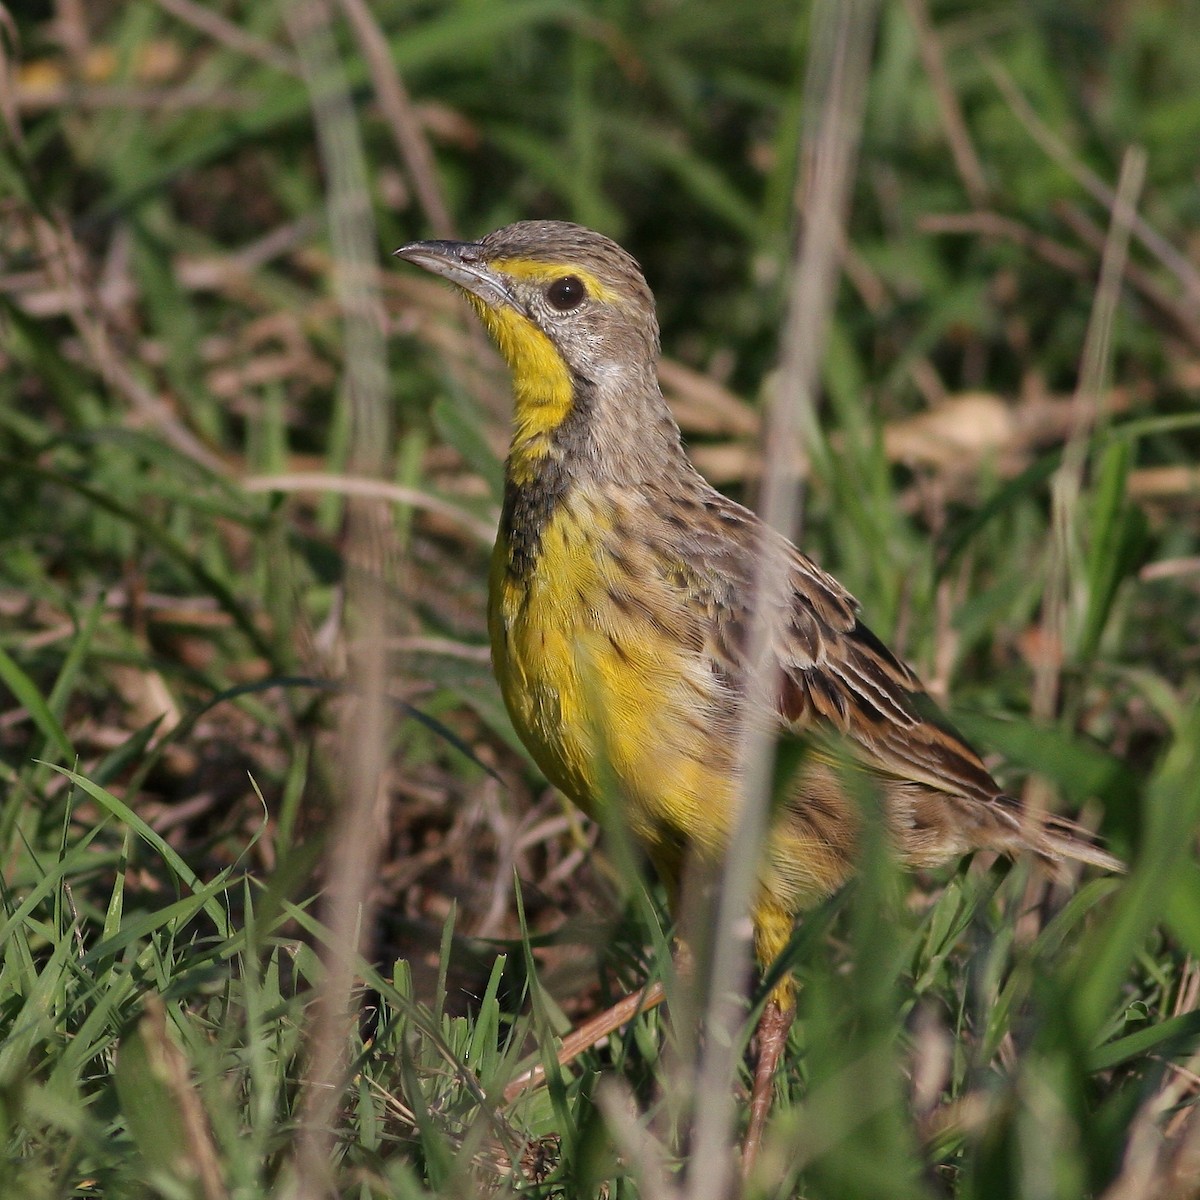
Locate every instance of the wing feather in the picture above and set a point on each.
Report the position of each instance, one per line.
(835, 675)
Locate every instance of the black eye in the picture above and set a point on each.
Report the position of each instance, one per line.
(566, 293)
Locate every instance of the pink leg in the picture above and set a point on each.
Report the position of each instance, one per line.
(773, 1029)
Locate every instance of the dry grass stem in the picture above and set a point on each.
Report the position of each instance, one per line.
(376, 489)
(402, 118)
(836, 88)
(233, 36)
(64, 263)
(353, 858)
(1178, 264)
(1059, 606)
(958, 136)
(997, 225)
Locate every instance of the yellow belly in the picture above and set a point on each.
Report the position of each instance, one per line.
(613, 699)
(619, 704)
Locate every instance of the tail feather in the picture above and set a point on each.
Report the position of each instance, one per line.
(1054, 839)
(1059, 839)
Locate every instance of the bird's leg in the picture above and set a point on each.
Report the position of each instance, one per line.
(585, 1036)
(773, 1028)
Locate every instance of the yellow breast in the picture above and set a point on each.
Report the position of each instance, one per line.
(602, 670)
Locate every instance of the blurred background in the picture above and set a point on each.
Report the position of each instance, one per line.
(177, 438)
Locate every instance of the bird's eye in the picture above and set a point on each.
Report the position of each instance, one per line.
(566, 293)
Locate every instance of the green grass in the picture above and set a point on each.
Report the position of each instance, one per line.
(185, 650)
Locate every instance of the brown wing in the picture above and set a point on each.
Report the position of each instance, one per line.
(836, 675)
(835, 671)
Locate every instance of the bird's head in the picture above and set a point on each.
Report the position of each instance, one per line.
(552, 281)
(571, 314)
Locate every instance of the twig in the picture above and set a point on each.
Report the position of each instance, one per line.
(1184, 317)
(1068, 483)
(1151, 1162)
(27, 99)
(993, 224)
(962, 149)
(8, 75)
(585, 1036)
(379, 489)
(234, 37)
(401, 115)
(64, 266)
(357, 842)
(1044, 136)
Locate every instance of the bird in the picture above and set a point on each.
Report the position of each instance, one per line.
(621, 603)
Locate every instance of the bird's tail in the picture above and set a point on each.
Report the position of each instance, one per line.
(1056, 839)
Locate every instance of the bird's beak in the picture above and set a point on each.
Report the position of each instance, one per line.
(463, 264)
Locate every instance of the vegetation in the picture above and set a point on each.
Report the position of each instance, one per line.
(196, 618)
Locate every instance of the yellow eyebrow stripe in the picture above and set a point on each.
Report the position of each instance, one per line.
(537, 268)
